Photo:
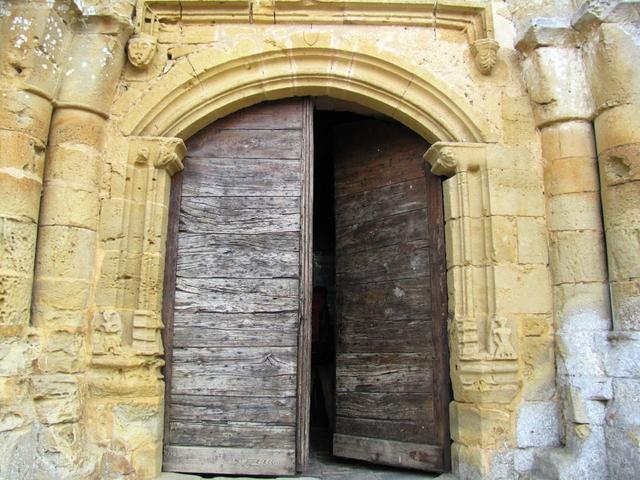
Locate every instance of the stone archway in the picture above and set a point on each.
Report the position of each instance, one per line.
(484, 360)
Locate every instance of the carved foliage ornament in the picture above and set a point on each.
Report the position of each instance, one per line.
(485, 52)
(141, 49)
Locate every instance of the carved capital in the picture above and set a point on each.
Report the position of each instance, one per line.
(141, 49)
(448, 158)
(485, 52)
(163, 153)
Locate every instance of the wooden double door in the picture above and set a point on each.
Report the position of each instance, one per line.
(238, 286)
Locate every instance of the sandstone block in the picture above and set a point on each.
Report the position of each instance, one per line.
(623, 355)
(522, 289)
(476, 463)
(35, 44)
(480, 426)
(19, 195)
(582, 306)
(15, 357)
(588, 386)
(518, 120)
(539, 373)
(73, 163)
(623, 452)
(461, 251)
(557, 84)
(75, 127)
(565, 140)
(515, 192)
(95, 68)
(22, 154)
(538, 424)
(623, 410)
(532, 241)
(581, 353)
(66, 252)
(137, 423)
(574, 211)
(621, 205)
(63, 353)
(625, 298)
(536, 325)
(15, 299)
(58, 410)
(617, 126)
(147, 460)
(70, 205)
(620, 164)
(26, 113)
(577, 256)
(17, 246)
(111, 228)
(60, 294)
(615, 75)
(623, 253)
(571, 175)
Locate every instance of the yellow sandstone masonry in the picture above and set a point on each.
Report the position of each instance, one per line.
(532, 112)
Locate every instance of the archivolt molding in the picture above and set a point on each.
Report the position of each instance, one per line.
(203, 87)
(484, 359)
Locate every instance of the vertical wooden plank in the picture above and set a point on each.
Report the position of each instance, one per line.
(439, 315)
(169, 293)
(306, 280)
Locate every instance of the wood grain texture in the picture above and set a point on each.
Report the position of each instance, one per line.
(232, 400)
(233, 295)
(249, 143)
(229, 461)
(385, 350)
(306, 287)
(225, 408)
(236, 329)
(230, 434)
(259, 177)
(240, 215)
(390, 230)
(263, 255)
(386, 452)
(169, 286)
(264, 371)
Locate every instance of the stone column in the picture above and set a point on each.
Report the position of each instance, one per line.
(612, 54)
(561, 98)
(33, 38)
(67, 237)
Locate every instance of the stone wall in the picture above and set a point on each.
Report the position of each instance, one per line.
(531, 109)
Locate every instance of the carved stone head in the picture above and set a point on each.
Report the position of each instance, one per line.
(140, 49)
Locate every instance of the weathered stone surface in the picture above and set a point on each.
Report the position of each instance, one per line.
(529, 269)
(538, 424)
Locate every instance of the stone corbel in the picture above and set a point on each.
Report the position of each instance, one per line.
(485, 53)
(140, 49)
(483, 356)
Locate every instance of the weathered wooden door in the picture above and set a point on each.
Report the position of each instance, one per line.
(238, 248)
(391, 360)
